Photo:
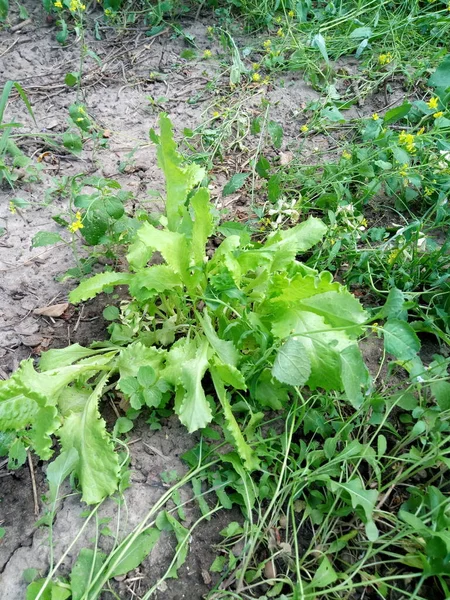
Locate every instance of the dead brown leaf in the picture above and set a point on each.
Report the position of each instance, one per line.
(55, 310)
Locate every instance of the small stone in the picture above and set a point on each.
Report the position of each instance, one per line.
(31, 340)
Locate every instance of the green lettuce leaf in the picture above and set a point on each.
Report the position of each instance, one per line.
(95, 285)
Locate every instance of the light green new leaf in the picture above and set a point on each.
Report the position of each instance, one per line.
(98, 464)
(59, 469)
(285, 244)
(131, 556)
(171, 245)
(245, 452)
(16, 411)
(62, 357)
(95, 285)
(193, 409)
(45, 423)
(400, 339)
(203, 225)
(180, 180)
(151, 281)
(322, 345)
(135, 356)
(87, 565)
(224, 349)
(292, 364)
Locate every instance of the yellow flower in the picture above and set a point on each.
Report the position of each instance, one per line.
(438, 114)
(76, 5)
(207, 54)
(255, 66)
(393, 255)
(216, 114)
(304, 128)
(280, 33)
(428, 191)
(375, 326)
(12, 208)
(278, 20)
(364, 222)
(256, 77)
(58, 4)
(109, 12)
(291, 14)
(421, 131)
(433, 103)
(403, 171)
(375, 116)
(346, 155)
(77, 224)
(407, 140)
(266, 80)
(210, 30)
(267, 45)
(385, 59)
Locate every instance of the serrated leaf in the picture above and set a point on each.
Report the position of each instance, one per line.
(194, 410)
(292, 364)
(235, 183)
(180, 180)
(45, 423)
(62, 357)
(132, 555)
(151, 281)
(225, 350)
(400, 339)
(250, 459)
(59, 470)
(98, 464)
(95, 285)
(86, 567)
(202, 227)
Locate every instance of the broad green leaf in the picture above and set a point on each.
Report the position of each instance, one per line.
(235, 183)
(251, 462)
(52, 590)
(202, 227)
(322, 345)
(360, 33)
(62, 357)
(268, 392)
(292, 364)
(318, 41)
(97, 284)
(45, 422)
(45, 238)
(333, 114)
(393, 307)
(131, 555)
(400, 339)
(87, 565)
(73, 142)
(395, 114)
(230, 375)
(16, 410)
(225, 350)
(325, 574)
(59, 469)
(17, 454)
(193, 408)
(183, 535)
(98, 464)
(354, 374)
(180, 180)
(135, 356)
(173, 247)
(4, 9)
(151, 281)
(441, 77)
(276, 133)
(359, 496)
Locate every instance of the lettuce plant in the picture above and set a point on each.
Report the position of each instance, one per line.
(236, 331)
